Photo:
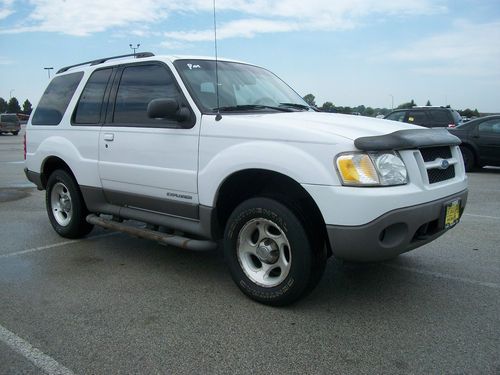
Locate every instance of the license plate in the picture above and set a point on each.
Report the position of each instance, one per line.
(452, 214)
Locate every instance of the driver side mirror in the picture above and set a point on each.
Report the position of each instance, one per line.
(168, 108)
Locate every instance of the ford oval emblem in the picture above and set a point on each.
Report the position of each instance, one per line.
(444, 164)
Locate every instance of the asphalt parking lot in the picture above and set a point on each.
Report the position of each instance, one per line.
(111, 303)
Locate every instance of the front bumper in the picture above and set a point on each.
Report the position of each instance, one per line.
(393, 233)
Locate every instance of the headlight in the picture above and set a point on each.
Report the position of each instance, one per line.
(371, 169)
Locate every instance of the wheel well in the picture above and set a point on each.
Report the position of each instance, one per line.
(50, 165)
(249, 183)
(472, 149)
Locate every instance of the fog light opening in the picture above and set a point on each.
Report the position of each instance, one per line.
(394, 235)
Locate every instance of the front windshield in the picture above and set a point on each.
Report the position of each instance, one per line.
(242, 87)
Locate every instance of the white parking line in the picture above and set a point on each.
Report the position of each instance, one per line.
(41, 360)
(483, 216)
(445, 276)
(40, 248)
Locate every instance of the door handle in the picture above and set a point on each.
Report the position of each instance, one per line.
(109, 137)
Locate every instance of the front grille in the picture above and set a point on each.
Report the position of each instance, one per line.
(438, 175)
(433, 153)
(430, 154)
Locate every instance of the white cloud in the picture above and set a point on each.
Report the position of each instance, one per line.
(468, 49)
(245, 28)
(299, 15)
(84, 17)
(6, 8)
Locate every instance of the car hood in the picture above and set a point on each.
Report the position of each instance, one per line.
(312, 127)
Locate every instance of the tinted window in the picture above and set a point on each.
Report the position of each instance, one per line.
(138, 86)
(440, 117)
(88, 110)
(396, 116)
(55, 99)
(490, 126)
(417, 117)
(9, 118)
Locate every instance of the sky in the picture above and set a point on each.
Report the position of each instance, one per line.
(349, 52)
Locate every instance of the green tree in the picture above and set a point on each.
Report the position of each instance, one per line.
(467, 112)
(360, 109)
(13, 106)
(369, 111)
(3, 105)
(27, 107)
(328, 107)
(346, 110)
(310, 99)
(407, 105)
(428, 104)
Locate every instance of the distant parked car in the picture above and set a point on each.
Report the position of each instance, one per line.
(430, 117)
(480, 141)
(9, 123)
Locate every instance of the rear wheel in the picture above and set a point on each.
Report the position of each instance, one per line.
(15, 133)
(270, 253)
(65, 206)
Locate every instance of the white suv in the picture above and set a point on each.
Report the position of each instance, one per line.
(203, 151)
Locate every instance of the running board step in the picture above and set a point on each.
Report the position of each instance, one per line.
(163, 238)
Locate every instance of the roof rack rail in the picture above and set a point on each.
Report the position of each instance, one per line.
(100, 61)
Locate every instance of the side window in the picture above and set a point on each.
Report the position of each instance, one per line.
(490, 127)
(55, 99)
(88, 109)
(396, 116)
(417, 117)
(138, 86)
(440, 117)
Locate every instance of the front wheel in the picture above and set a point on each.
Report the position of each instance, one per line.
(469, 160)
(15, 133)
(65, 206)
(270, 253)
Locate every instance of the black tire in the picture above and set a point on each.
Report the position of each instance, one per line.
(469, 159)
(300, 261)
(15, 133)
(67, 214)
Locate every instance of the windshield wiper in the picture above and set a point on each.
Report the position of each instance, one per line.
(249, 107)
(295, 105)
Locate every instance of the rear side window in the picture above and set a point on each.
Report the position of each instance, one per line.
(440, 117)
(55, 99)
(89, 107)
(396, 116)
(417, 117)
(138, 86)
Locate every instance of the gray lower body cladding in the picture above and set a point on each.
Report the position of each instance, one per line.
(394, 233)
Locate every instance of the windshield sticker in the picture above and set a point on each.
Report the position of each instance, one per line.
(193, 66)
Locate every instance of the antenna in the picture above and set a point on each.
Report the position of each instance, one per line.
(218, 117)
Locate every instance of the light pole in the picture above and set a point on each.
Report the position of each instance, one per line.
(392, 101)
(134, 48)
(48, 70)
(10, 93)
